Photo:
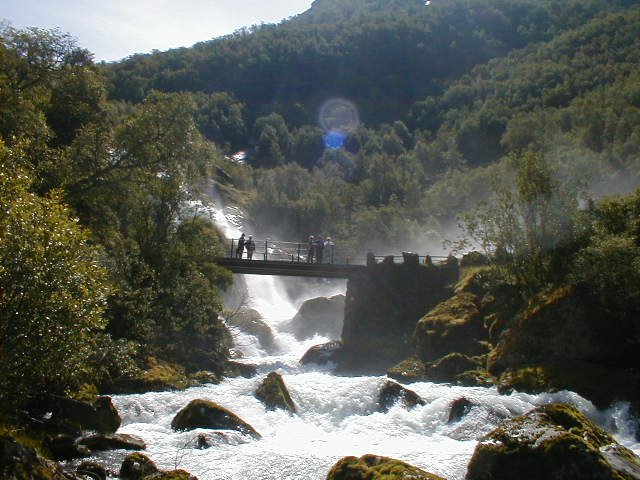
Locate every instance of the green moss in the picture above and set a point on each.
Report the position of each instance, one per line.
(202, 413)
(372, 467)
(409, 370)
(274, 394)
(173, 475)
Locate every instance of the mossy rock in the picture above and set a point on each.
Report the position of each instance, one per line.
(274, 394)
(18, 462)
(475, 378)
(373, 467)
(239, 369)
(446, 369)
(408, 371)
(554, 442)
(171, 475)
(92, 470)
(455, 325)
(136, 466)
(206, 414)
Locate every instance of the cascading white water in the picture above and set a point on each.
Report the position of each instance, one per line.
(336, 415)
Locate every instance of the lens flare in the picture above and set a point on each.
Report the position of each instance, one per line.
(339, 115)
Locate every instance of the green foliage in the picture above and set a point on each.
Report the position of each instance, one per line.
(53, 291)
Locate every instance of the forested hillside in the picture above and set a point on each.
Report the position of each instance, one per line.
(377, 123)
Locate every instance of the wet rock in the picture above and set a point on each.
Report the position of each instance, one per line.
(407, 371)
(21, 463)
(459, 408)
(447, 368)
(475, 378)
(101, 415)
(113, 441)
(553, 442)
(171, 475)
(323, 353)
(206, 414)
(454, 325)
(319, 316)
(392, 392)
(250, 321)
(93, 470)
(135, 466)
(274, 394)
(373, 467)
(65, 447)
(238, 369)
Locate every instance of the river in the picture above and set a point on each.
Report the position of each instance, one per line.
(336, 415)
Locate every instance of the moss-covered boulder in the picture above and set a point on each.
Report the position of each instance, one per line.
(408, 371)
(250, 321)
(447, 368)
(171, 475)
(455, 325)
(372, 467)
(554, 442)
(206, 414)
(239, 369)
(274, 394)
(319, 316)
(92, 470)
(23, 463)
(392, 392)
(136, 466)
(100, 415)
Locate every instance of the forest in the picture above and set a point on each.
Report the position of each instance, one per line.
(506, 126)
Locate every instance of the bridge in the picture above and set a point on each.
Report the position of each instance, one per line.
(273, 257)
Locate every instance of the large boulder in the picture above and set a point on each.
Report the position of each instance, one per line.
(392, 392)
(322, 316)
(250, 321)
(92, 470)
(373, 467)
(554, 442)
(66, 447)
(447, 368)
(206, 414)
(171, 475)
(101, 415)
(274, 394)
(455, 325)
(23, 463)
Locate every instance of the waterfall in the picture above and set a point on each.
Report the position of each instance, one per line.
(337, 415)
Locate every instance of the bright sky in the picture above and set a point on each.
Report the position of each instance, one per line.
(114, 29)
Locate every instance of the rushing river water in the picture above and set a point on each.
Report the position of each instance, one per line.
(336, 415)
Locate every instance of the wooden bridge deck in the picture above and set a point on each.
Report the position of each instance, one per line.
(288, 268)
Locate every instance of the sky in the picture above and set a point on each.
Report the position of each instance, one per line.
(114, 29)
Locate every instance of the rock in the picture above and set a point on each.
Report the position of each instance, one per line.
(321, 316)
(392, 392)
(323, 353)
(206, 414)
(101, 415)
(238, 369)
(65, 447)
(554, 442)
(372, 467)
(454, 325)
(447, 368)
(459, 408)
(171, 475)
(93, 470)
(22, 463)
(274, 394)
(135, 466)
(114, 441)
(408, 371)
(475, 378)
(250, 321)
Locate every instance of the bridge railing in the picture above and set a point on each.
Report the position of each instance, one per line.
(298, 252)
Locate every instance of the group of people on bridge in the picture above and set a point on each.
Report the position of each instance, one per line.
(317, 246)
(245, 244)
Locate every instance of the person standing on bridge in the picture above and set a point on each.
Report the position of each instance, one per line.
(330, 246)
(240, 249)
(311, 249)
(319, 247)
(251, 246)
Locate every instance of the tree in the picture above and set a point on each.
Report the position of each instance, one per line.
(53, 291)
